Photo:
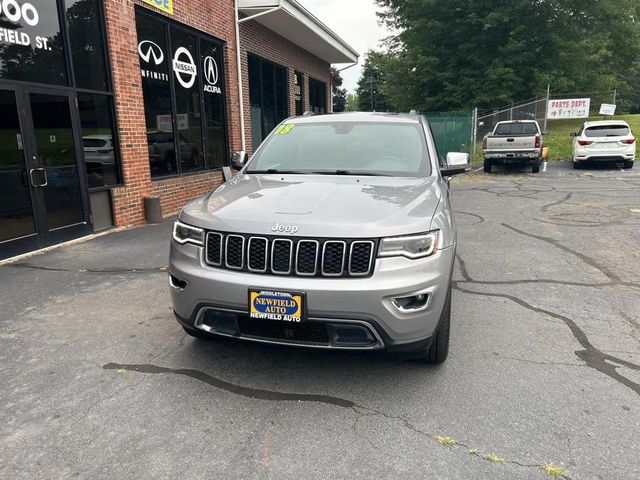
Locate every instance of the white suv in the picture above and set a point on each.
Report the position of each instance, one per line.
(605, 141)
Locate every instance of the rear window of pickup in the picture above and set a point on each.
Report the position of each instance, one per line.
(516, 129)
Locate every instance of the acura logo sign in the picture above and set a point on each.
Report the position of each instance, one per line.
(148, 50)
(185, 69)
(211, 70)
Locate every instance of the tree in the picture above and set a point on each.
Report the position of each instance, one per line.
(453, 54)
(339, 94)
(352, 102)
(371, 86)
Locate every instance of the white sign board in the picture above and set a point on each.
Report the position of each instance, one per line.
(607, 109)
(568, 108)
(165, 122)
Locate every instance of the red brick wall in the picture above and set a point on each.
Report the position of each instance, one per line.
(215, 17)
(260, 41)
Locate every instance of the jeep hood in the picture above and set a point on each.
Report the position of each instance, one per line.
(320, 206)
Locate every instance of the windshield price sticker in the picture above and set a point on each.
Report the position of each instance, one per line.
(285, 129)
(279, 306)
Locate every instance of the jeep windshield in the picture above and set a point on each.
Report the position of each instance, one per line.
(341, 148)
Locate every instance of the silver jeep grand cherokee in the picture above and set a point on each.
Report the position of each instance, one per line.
(337, 234)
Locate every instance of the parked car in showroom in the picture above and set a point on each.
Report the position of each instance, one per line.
(513, 142)
(337, 234)
(604, 141)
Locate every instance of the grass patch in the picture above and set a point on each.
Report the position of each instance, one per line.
(446, 441)
(554, 470)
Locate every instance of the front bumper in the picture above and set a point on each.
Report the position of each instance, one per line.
(216, 301)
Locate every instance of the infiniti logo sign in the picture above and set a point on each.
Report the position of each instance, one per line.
(148, 49)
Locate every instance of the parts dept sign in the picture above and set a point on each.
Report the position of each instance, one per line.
(23, 15)
(164, 5)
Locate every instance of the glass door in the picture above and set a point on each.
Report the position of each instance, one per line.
(54, 171)
(43, 192)
(17, 219)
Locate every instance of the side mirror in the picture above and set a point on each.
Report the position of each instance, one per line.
(457, 163)
(573, 134)
(239, 159)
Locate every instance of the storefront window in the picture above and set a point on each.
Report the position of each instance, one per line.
(98, 140)
(269, 97)
(31, 46)
(87, 44)
(182, 81)
(154, 69)
(216, 138)
(317, 96)
(187, 94)
(299, 93)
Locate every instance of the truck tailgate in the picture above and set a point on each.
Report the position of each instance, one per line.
(514, 143)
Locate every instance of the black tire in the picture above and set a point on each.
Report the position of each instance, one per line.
(487, 166)
(439, 349)
(576, 165)
(628, 165)
(535, 166)
(198, 333)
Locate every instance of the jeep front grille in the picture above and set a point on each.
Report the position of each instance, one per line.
(304, 257)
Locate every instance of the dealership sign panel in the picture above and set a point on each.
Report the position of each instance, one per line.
(164, 5)
(569, 108)
(607, 109)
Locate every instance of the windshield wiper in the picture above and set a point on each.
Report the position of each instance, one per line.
(276, 171)
(349, 172)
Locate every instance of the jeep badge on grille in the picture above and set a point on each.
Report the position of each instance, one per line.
(285, 228)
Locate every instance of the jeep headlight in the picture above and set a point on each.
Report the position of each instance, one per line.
(183, 233)
(412, 246)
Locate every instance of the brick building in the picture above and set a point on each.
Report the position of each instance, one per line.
(107, 102)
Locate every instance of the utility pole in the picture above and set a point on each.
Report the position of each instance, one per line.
(372, 102)
(546, 108)
(615, 95)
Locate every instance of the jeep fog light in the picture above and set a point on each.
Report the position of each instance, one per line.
(183, 233)
(411, 303)
(414, 246)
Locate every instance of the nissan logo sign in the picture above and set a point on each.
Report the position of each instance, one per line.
(185, 70)
(148, 49)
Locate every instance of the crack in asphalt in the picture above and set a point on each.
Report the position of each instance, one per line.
(361, 411)
(588, 260)
(480, 218)
(566, 198)
(248, 392)
(592, 356)
(106, 271)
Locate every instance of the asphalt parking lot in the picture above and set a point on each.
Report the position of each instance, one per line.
(99, 381)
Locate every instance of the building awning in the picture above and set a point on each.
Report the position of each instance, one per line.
(292, 21)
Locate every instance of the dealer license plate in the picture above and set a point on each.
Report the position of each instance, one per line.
(276, 305)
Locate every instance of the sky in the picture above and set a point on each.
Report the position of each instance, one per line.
(355, 22)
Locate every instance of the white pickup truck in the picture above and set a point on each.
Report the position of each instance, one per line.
(516, 141)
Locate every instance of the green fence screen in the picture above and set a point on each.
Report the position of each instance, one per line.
(453, 131)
